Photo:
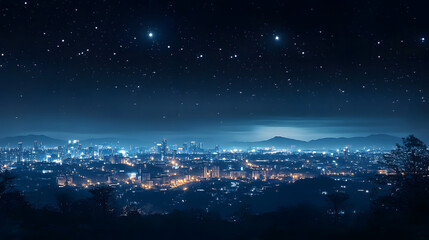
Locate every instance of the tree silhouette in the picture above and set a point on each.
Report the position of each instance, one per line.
(103, 197)
(408, 167)
(11, 201)
(337, 199)
(64, 201)
(6, 179)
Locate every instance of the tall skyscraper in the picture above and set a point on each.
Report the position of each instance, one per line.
(185, 147)
(206, 172)
(21, 151)
(163, 149)
(192, 147)
(215, 171)
(36, 145)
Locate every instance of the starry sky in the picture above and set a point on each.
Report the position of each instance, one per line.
(214, 70)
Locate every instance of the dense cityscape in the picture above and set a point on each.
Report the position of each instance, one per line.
(190, 167)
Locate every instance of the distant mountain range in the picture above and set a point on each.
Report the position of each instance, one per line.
(382, 141)
(28, 141)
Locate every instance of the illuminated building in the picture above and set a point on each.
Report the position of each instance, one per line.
(163, 150)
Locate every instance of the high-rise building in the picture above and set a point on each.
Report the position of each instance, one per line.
(192, 147)
(185, 147)
(174, 154)
(215, 171)
(157, 147)
(144, 177)
(21, 151)
(206, 172)
(61, 152)
(163, 149)
(212, 172)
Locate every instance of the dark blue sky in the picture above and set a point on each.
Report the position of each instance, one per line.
(213, 70)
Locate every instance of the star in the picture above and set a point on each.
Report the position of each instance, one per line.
(150, 34)
(277, 38)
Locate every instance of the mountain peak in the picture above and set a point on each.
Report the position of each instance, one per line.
(277, 137)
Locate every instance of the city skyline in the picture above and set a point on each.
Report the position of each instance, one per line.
(301, 129)
(373, 142)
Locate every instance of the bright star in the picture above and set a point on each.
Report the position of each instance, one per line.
(422, 39)
(277, 38)
(150, 35)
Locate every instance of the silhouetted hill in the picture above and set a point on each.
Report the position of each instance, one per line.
(382, 141)
(28, 141)
(277, 142)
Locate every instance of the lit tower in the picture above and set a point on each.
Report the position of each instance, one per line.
(163, 149)
(20, 149)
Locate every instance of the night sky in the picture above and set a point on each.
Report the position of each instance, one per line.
(214, 70)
